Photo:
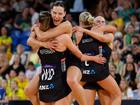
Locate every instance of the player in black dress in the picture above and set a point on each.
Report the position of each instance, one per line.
(93, 43)
(52, 85)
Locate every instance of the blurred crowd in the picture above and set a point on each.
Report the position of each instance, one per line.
(19, 63)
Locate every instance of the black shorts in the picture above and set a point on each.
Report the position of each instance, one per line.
(92, 73)
(95, 72)
(92, 86)
(53, 85)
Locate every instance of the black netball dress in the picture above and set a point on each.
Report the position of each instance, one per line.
(92, 71)
(52, 83)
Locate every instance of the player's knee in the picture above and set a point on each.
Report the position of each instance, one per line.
(117, 93)
(27, 92)
(72, 81)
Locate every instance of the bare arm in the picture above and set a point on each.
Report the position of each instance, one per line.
(35, 44)
(69, 44)
(63, 28)
(107, 38)
(108, 28)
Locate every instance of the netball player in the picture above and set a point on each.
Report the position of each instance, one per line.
(52, 62)
(92, 43)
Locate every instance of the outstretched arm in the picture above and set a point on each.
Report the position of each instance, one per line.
(63, 28)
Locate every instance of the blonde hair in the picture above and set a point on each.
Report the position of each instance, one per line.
(86, 18)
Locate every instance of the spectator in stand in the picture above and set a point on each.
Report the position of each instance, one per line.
(138, 72)
(21, 53)
(16, 33)
(6, 40)
(129, 71)
(5, 86)
(34, 15)
(118, 45)
(116, 60)
(135, 45)
(22, 80)
(106, 7)
(119, 6)
(112, 70)
(33, 57)
(23, 40)
(137, 92)
(137, 6)
(127, 92)
(117, 20)
(10, 77)
(24, 19)
(15, 92)
(3, 92)
(126, 11)
(135, 22)
(16, 66)
(6, 12)
(133, 48)
(129, 33)
(18, 5)
(31, 71)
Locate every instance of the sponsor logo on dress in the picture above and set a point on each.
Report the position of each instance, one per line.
(88, 72)
(87, 40)
(47, 87)
(48, 72)
(46, 51)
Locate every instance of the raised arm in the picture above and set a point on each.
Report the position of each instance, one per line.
(63, 28)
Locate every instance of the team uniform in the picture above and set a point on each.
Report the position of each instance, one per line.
(52, 82)
(92, 71)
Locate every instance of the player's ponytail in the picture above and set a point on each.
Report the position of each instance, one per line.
(86, 18)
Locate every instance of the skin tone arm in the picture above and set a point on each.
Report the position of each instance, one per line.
(107, 38)
(66, 40)
(63, 28)
(108, 28)
(35, 44)
(69, 44)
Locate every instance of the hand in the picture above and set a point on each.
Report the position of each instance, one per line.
(78, 28)
(102, 27)
(48, 45)
(99, 59)
(58, 46)
(34, 26)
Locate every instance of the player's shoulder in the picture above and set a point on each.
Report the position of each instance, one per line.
(67, 23)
